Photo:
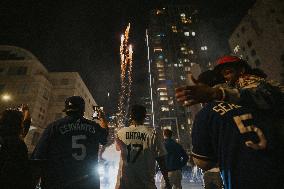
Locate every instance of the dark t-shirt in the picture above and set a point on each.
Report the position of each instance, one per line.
(70, 146)
(14, 164)
(220, 133)
(176, 157)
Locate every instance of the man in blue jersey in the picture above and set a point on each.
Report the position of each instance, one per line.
(242, 145)
(70, 147)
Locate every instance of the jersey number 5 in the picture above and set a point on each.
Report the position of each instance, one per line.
(251, 128)
(76, 145)
(133, 147)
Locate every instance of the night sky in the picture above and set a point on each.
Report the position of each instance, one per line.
(84, 36)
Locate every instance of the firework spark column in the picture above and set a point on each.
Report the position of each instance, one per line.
(126, 54)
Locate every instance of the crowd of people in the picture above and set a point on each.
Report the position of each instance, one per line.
(237, 139)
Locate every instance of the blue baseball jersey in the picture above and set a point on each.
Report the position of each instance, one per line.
(240, 142)
(70, 146)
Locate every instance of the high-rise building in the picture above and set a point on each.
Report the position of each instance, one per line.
(259, 38)
(174, 48)
(24, 80)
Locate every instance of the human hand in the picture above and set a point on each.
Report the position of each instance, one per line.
(197, 94)
(102, 118)
(24, 107)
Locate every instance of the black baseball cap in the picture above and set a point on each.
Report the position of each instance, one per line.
(74, 104)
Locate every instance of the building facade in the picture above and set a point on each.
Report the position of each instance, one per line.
(174, 48)
(24, 80)
(259, 38)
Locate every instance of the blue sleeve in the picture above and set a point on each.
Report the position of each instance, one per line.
(41, 150)
(201, 136)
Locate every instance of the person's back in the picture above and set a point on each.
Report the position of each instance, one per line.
(138, 155)
(228, 134)
(14, 164)
(176, 158)
(141, 146)
(70, 146)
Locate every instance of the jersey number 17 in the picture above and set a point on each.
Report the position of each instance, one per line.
(133, 152)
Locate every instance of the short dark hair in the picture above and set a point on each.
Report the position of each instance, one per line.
(168, 133)
(11, 122)
(138, 113)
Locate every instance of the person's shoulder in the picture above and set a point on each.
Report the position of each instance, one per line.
(58, 122)
(123, 129)
(89, 122)
(207, 109)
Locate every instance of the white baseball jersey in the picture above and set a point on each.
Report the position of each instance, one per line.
(141, 145)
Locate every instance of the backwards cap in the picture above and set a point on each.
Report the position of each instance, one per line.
(227, 59)
(74, 104)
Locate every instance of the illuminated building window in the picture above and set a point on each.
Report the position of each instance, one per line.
(186, 34)
(189, 121)
(163, 93)
(182, 15)
(204, 48)
(182, 126)
(190, 52)
(160, 65)
(161, 75)
(187, 68)
(171, 102)
(158, 49)
(180, 65)
(158, 12)
(174, 29)
(193, 33)
(162, 78)
(182, 77)
(185, 60)
(164, 109)
(182, 48)
(162, 98)
(175, 65)
(162, 88)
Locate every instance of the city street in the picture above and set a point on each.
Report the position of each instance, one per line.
(187, 185)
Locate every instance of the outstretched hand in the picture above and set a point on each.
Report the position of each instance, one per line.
(198, 93)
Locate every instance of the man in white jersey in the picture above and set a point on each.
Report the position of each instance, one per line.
(141, 146)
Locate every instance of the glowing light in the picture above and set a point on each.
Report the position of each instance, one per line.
(6, 97)
(126, 55)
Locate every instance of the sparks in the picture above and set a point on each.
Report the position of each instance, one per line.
(126, 54)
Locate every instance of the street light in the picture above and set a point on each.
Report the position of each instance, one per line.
(6, 97)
